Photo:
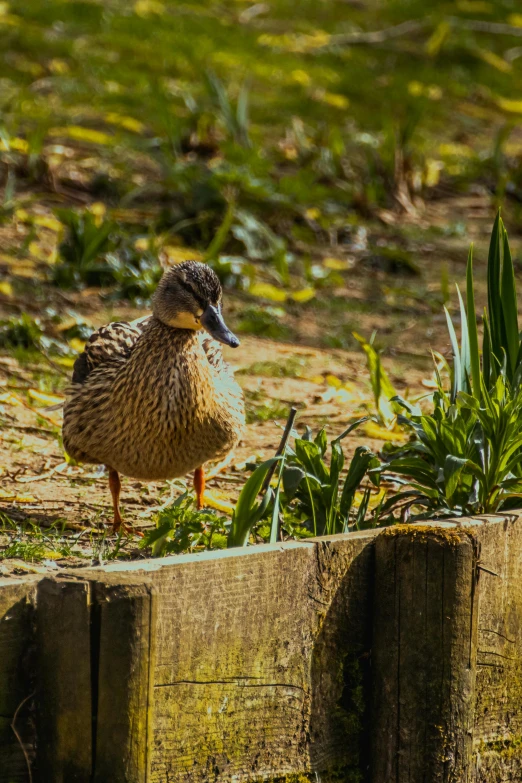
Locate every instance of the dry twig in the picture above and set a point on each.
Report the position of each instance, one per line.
(18, 737)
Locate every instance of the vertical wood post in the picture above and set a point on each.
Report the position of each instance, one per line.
(16, 677)
(63, 694)
(424, 655)
(94, 680)
(125, 626)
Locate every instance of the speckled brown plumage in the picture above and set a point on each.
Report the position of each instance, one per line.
(153, 401)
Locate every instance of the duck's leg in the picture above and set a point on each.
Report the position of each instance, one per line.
(115, 487)
(199, 486)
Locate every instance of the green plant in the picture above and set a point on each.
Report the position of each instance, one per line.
(315, 486)
(249, 509)
(135, 275)
(466, 455)
(181, 528)
(27, 541)
(20, 332)
(233, 118)
(382, 388)
(87, 238)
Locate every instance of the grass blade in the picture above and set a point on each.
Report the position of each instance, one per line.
(494, 302)
(247, 511)
(509, 307)
(474, 356)
(457, 372)
(356, 472)
(274, 527)
(465, 363)
(382, 387)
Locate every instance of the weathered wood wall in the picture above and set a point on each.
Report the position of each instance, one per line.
(390, 658)
(251, 650)
(447, 653)
(17, 600)
(497, 717)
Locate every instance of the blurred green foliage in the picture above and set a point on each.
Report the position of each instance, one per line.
(247, 132)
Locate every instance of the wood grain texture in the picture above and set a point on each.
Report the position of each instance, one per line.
(124, 638)
(262, 660)
(498, 713)
(265, 663)
(232, 685)
(16, 676)
(423, 655)
(63, 691)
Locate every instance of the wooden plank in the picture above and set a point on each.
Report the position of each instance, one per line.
(340, 720)
(424, 689)
(497, 731)
(125, 632)
(262, 660)
(262, 664)
(17, 677)
(385, 662)
(63, 692)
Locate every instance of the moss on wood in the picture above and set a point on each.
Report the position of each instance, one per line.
(422, 533)
(508, 748)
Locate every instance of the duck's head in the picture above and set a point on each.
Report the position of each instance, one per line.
(189, 296)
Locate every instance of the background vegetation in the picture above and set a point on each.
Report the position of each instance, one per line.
(331, 164)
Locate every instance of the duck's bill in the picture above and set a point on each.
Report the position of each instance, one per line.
(213, 322)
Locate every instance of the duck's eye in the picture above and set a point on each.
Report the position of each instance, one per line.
(199, 299)
(201, 302)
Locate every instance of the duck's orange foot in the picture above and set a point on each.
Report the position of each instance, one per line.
(118, 524)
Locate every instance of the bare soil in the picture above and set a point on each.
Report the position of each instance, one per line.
(328, 386)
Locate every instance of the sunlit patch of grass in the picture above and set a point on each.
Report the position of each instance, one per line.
(264, 322)
(105, 547)
(265, 409)
(292, 367)
(28, 541)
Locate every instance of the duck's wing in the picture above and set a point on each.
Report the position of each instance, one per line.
(214, 354)
(213, 350)
(113, 341)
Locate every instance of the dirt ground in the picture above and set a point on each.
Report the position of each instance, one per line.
(329, 386)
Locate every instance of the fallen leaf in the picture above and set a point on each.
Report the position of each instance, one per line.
(304, 295)
(176, 255)
(25, 499)
(65, 361)
(11, 399)
(511, 106)
(376, 432)
(338, 264)
(214, 500)
(268, 291)
(20, 145)
(129, 123)
(332, 99)
(375, 498)
(44, 399)
(5, 495)
(77, 344)
(493, 59)
(82, 134)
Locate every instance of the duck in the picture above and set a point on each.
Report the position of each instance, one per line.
(154, 399)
